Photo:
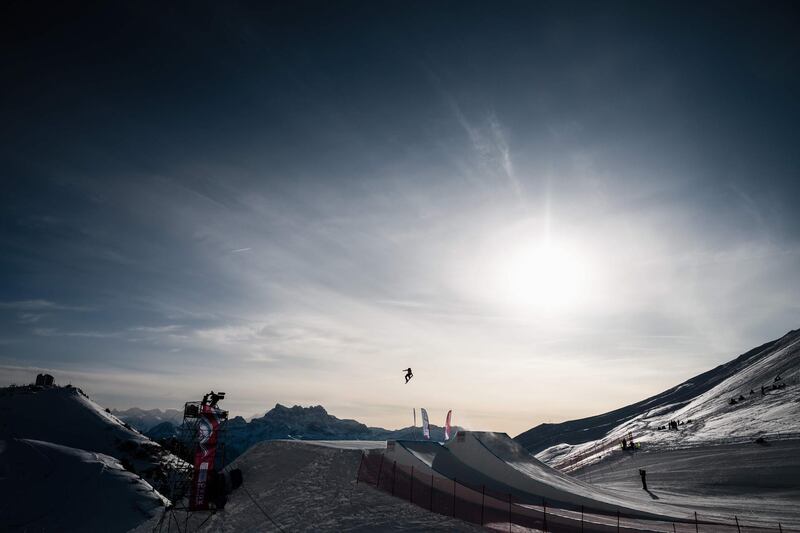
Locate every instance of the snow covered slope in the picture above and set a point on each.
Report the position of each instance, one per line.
(709, 415)
(47, 487)
(594, 427)
(66, 416)
(311, 486)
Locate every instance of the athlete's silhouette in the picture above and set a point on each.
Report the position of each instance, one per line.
(409, 375)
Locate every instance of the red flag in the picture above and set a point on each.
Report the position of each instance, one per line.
(207, 434)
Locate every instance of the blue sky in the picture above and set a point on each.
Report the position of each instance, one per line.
(547, 210)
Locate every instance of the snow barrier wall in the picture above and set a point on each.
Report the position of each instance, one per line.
(488, 508)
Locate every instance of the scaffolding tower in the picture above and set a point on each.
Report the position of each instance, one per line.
(190, 440)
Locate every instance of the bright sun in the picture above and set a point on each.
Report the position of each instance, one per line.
(543, 277)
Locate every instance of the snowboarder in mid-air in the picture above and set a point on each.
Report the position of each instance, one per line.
(409, 375)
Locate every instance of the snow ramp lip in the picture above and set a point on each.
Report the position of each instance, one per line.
(417, 454)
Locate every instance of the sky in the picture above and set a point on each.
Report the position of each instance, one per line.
(546, 209)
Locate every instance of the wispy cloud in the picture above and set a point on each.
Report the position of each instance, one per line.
(504, 154)
(30, 318)
(488, 140)
(157, 329)
(40, 305)
(54, 332)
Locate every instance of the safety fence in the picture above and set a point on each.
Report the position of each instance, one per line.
(482, 506)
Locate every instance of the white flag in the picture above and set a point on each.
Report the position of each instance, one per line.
(426, 431)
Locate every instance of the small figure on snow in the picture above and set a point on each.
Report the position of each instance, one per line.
(409, 375)
(643, 474)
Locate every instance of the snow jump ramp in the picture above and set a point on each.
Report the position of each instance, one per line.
(501, 464)
(419, 454)
(429, 457)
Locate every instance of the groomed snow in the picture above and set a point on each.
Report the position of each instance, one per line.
(759, 483)
(307, 486)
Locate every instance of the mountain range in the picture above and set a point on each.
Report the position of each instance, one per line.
(280, 422)
(146, 419)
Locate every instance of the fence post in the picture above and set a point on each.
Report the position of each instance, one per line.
(483, 501)
(454, 497)
(380, 470)
(394, 469)
(411, 490)
(780, 528)
(673, 527)
(510, 519)
(737, 524)
(431, 492)
(695, 522)
(581, 518)
(360, 464)
(544, 509)
(617, 520)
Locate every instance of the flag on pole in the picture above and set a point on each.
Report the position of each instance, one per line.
(426, 430)
(447, 425)
(207, 434)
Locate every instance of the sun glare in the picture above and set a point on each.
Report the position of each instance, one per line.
(544, 277)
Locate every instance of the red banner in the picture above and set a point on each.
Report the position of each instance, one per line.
(207, 434)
